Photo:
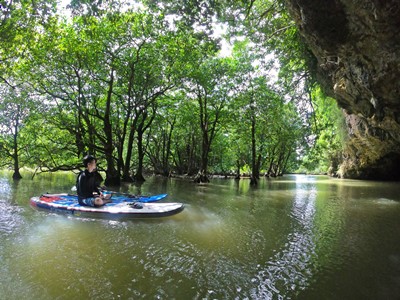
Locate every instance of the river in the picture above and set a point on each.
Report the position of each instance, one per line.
(294, 237)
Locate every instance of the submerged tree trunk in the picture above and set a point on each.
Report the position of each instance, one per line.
(254, 176)
(237, 177)
(17, 174)
(208, 128)
(258, 167)
(202, 175)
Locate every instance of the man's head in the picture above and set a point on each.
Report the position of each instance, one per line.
(89, 162)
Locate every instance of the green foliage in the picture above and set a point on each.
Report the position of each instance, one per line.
(328, 137)
(141, 85)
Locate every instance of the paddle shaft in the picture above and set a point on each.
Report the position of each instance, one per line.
(119, 193)
(112, 193)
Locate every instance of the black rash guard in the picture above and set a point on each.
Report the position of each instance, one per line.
(86, 185)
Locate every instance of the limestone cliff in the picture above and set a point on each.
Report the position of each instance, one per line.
(356, 44)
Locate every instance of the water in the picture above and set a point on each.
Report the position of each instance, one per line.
(296, 237)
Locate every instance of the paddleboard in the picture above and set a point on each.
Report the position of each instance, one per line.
(118, 209)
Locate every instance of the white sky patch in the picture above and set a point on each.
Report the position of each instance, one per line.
(226, 49)
(171, 19)
(62, 8)
(220, 31)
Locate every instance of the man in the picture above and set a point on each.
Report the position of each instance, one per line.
(88, 191)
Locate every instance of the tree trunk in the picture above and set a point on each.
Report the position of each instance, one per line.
(280, 162)
(166, 154)
(258, 167)
(254, 177)
(112, 176)
(139, 171)
(80, 128)
(141, 128)
(237, 177)
(126, 177)
(286, 161)
(271, 163)
(190, 151)
(202, 175)
(17, 174)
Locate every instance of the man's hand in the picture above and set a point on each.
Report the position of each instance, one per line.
(105, 196)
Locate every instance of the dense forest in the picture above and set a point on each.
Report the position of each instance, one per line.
(164, 87)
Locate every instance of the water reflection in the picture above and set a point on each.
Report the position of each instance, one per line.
(296, 237)
(289, 269)
(10, 217)
(9, 213)
(5, 188)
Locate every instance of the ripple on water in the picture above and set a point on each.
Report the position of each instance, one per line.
(5, 187)
(291, 269)
(217, 275)
(10, 217)
(386, 201)
(170, 265)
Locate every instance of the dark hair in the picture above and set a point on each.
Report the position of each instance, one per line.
(88, 159)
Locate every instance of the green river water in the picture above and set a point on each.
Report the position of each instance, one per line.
(295, 237)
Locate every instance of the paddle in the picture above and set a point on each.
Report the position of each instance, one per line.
(120, 193)
(113, 193)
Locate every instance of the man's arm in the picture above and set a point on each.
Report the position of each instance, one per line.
(83, 190)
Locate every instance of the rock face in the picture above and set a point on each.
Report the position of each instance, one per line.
(356, 44)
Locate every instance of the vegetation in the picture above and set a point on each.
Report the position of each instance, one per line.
(145, 87)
